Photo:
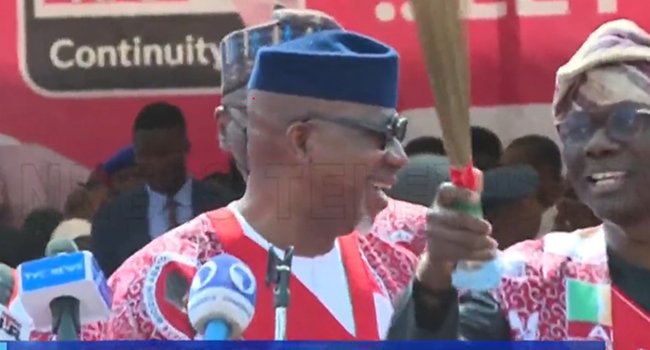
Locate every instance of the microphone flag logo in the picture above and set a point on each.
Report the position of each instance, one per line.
(205, 274)
(242, 278)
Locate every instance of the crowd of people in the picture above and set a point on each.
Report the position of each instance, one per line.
(316, 110)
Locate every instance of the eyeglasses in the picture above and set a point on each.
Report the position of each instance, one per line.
(393, 128)
(622, 124)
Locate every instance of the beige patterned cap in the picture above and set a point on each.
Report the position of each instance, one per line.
(239, 48)
(614, 58)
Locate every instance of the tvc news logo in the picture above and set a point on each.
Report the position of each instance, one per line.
(53, 271)
(76, 48)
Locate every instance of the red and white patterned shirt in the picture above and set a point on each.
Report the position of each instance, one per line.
(390, 253)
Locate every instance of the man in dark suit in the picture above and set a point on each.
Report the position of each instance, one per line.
(168, 198)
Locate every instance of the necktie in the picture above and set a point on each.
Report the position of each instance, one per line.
(172, 208)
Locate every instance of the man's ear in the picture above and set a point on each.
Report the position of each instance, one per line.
(299, 135)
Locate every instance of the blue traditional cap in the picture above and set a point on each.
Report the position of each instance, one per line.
(123, 159)
(239, 48)
(333, 65)
(102, 173)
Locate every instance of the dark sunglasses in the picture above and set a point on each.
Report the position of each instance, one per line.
(393, 128)
(622, 124)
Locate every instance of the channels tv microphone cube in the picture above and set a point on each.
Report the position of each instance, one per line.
(222, 298)
(75, 275)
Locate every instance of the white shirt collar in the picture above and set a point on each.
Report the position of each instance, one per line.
(183, 197)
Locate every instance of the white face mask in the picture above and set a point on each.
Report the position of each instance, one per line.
(548, 221)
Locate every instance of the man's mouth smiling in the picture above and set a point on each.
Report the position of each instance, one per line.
(606, 182)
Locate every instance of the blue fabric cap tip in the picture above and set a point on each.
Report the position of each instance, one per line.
(334, 65)
(123, 159)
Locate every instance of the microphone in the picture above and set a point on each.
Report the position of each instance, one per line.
(64, 290)
(278, 273)
(10, 327)
(222, 298)
(7, 284)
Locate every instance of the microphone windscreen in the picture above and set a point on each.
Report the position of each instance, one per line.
(6, 284)
(224, 290)
(60, 246)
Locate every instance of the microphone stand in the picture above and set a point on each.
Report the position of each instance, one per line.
(65, 318)
(277, 274)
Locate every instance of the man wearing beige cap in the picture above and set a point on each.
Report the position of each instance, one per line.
(591, 284)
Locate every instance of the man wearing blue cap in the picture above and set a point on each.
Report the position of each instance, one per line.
(397, 221)
(324, 141)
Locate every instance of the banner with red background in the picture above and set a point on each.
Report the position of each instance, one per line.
(76, 72)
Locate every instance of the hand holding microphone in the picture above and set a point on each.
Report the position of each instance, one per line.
(222, 298)
(64, 290)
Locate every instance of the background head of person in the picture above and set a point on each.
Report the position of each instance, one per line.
(486, 148)
(505, 189)
(13, 246)
(323, 119)
(109, 179)
(232, 180)
(238, 52)
(602, 113)
(123, 173)
(425, 145)
(5, 204)
(161, 146)
(85, 201)
(544, 155)
(37, 231)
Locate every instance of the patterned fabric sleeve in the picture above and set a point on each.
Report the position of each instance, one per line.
(404, 224)
(144, 304)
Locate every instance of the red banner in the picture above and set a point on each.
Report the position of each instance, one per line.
(68, 89)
